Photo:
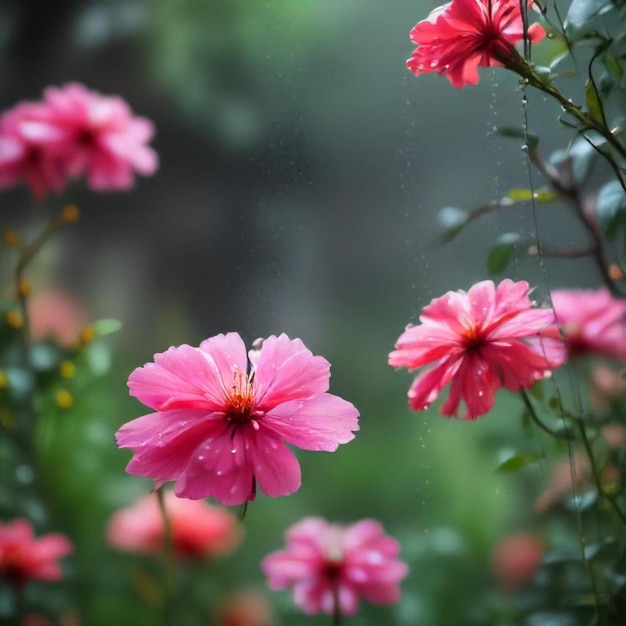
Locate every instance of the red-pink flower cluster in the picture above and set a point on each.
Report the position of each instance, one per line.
(24, 558)
(592, 322)
(220, 421)
(199, 530)
(326, 564)
(462, 35)
(480, 341)
(74, 132)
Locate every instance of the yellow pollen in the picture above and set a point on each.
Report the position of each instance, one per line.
(70, 213)
(241, 399)
(15, 319)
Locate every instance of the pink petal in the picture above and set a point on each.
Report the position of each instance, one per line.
(321, 423)
(285, 370)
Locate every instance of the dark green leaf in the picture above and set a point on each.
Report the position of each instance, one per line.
(611, 208)
(581, 155)
(515, 463)
(501, 254)
(519, 133)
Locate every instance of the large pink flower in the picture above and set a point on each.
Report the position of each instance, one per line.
(24, 558)
(327, 563)
(29, 139)
(199, 530)
(218, 430)
(463, 34)
(592, 322)
(480, 341)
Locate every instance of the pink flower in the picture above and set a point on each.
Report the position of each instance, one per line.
(244, 608)
(24, 558)
(461, 35)
(480, 341)
(593, 322)
(57, 314)
(199, 530)
(218, 430)
(102, 139)
(515, 559)
(28, 140)
(327, 563)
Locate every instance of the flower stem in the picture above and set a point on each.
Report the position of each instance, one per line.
(596, 472)
(336, 606)
(168, 554)
(535, 418)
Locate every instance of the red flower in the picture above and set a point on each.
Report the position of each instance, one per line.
(327, 563)
(24, 558)
(199, 530)
(515, 559)
(463, 34)
(480, 341)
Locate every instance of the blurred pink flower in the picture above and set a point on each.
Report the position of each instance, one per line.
(461, 35)
(56, 314)
(515, 559)
(199, 530)
(218, 430)
(244, 608)
(327, 563)
(24, 558)
(102, 139)
(568, 476)
(606, 385)
(480, 341)
(28, 138)
(592, 321)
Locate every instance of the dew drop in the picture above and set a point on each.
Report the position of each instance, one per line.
(233, 451)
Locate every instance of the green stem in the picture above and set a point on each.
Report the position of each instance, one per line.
(336, 606)
(596, 472)
(168, 554)
(535, 418)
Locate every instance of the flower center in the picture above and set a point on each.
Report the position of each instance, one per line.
(240, 402)
(473, 339)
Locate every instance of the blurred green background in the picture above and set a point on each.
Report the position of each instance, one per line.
(302, 171)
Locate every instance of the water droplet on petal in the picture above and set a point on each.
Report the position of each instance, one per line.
(233, 451)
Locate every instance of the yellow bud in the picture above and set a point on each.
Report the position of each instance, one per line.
(24, 288)
(64, 399)
(11, 238)
(15, 319)
(70, 213)
(67, 369)
(87, 335)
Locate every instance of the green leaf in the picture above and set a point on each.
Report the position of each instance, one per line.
(581, 11)
(515, 463)
(611, 208)
(519, 195)
(453, 221)
(106, 327)
(592, 99)
(520, 133)
(501, 254)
